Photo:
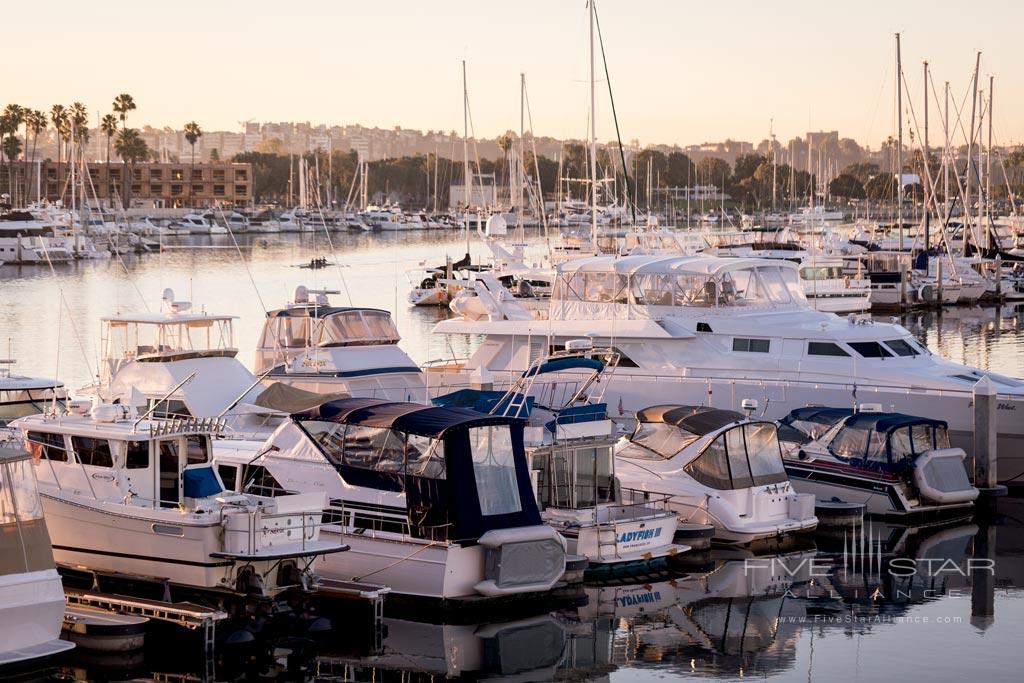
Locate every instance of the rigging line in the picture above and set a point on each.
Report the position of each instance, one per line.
(330, 245)
(245, 264)
(536, 169)
(67, 306)
(615, 116)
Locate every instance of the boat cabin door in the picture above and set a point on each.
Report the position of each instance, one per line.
(168, 457)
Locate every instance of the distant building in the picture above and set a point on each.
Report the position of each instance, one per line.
(156, 185)
(485, 192)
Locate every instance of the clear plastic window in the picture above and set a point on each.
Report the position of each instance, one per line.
(849, 443)
(764, 454)
(711, 467)
(775, 285)
(877, 451)
(921, 435)
(660, 439)
(941, 438)
(901, 443)
(736, 450)
(494, 469)
(425, 457)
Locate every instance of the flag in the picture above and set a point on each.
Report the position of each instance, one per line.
(622, 409)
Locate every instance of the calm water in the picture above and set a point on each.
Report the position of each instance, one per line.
(800, 614)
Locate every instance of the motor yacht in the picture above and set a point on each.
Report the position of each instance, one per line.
(131, 497)
(893, 464)
(198, 224)
(719, 467)
(715, 331)
(31, 594)
(435, 502)
(569, 441)
(312, 345)
(827, 288)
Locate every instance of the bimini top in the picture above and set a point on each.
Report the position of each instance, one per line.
(699, 420)
(817, 415)
(646, 264)
(887, 422)
(411, 418)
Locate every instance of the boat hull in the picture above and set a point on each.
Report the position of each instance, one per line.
(31, 614)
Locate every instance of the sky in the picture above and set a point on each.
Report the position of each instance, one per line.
(682, 72)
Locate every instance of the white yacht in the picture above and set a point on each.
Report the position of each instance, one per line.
(198, 224)
(128, 496)
(715, 331)
(315, 346)
(719, 467)
(827, 288)
(31, 594)
(435, 502)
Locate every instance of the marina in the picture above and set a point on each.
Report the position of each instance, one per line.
(319, 402)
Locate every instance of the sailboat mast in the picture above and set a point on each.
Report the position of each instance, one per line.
(593, 138)
(465, 150)
(988, 165)
(927, 208)
(970, 150)
(899, 141)
(946, 160)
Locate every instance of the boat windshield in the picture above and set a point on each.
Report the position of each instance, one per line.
(15, 404)
(660, 440)
(343, 328)
(743, 456)
(378, 449)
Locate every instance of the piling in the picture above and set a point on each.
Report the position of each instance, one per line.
(985, 440)
(938, 281)
(983, 578)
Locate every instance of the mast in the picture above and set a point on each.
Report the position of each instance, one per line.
(465, 151)
(988, 165)
(946, 156)
(771, 136)
(899, 141)
(593, 139)
(970, 150)
(927, 210)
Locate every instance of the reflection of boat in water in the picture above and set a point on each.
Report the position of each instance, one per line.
(732, 619)
(528, 649)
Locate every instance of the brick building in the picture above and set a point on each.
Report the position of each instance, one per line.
(153, 185)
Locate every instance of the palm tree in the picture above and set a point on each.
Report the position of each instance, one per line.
(10, 121)
(109, 127)
(131, 148)
(35, 122)
(123, 104)
(192, 135)
(59, 117)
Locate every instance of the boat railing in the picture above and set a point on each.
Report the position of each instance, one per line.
(247, 531)
(635, 504)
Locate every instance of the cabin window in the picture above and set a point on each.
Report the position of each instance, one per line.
(902, 443)
(92, 452)
(901, 348)
(197, 449)
(870, 349)
(229, 476)
(137, 455)
(494, 469)
(46, 445)
(825, 349)
(751, 345)
(260, 482)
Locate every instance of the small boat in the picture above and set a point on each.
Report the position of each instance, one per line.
(133, 497)
(719, 467)
(31, 594)
(570, 441)
(894, 464)
(435, 502)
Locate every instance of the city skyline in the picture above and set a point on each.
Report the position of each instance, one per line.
(699, 76)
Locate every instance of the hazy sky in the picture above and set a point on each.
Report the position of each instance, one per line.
(683, 72)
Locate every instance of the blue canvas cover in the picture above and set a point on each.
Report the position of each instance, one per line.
(201, 482)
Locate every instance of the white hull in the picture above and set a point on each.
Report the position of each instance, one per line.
(31, 616)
